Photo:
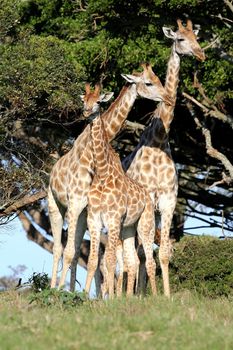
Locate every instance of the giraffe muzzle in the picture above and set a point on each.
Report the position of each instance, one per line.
(200, 55)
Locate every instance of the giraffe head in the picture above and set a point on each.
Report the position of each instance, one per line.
(92, 99)
(148, 85)
(185, 40)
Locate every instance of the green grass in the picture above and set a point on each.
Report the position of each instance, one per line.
(187, 321)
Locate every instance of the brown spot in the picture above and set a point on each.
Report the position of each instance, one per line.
(162, 168)
(84, 161)
(111, 199)
(94, 200)
(99, 148)
(134, 201)
(170, 173)
(82, 171)
(73, 167)
(126, 105)
(124, 110)
(172, 79)
(62, 175)
(110, 185)
(114, 125)
(115, 192)
(146, 167)
(58, 185)
(158, 160)
(65, 162)
(152, 179)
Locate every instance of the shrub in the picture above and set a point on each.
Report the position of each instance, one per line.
(203, 264)
(57, 298)
(43, 295)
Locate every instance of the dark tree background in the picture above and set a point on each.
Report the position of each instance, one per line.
(49, 48)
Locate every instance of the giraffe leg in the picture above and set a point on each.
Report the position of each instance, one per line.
(104, 286)
(56, 220)
(74, 210)
(129, 232)
(120, 261)
(142, 275)
(80, 231)
(110, 255)
(146, 230)
(94, 226)
(97, 278)
(132, 263)
(165, 247)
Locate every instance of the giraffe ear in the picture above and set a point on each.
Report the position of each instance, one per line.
(196, 31)
(168, 32)
(82, 97)
(131, 78)
(106, 97)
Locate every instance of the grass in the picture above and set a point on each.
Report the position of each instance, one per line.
(187, 321)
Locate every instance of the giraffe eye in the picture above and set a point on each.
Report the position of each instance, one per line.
(180, 40)
(149, 84)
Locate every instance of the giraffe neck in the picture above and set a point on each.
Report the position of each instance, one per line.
(164, 111)
(100, 147)
(117, 113)
(156, 134)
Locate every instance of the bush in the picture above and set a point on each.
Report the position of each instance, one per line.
(57, 298)
(203, 264)
(43, 295)
(37, 78)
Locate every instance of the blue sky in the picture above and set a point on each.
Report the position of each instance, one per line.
(16, 249)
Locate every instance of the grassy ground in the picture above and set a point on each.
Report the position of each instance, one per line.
(185, 322)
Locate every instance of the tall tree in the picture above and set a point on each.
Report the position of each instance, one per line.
(49, 48)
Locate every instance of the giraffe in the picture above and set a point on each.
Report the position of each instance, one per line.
(115, 200)
(71, 176)
(91, 106)
(151, 161)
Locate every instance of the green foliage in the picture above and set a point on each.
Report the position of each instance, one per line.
(43, 295)
(56, 298)
(39, 281)
(103, 38)
(36, 77)
(203, 264)
(9, 19)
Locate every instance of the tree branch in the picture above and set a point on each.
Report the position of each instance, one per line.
(208, 111)
(229, 4)
(26, 200)
(134, 125)
(215, 153)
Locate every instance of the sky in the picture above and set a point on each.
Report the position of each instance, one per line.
(16, 249)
